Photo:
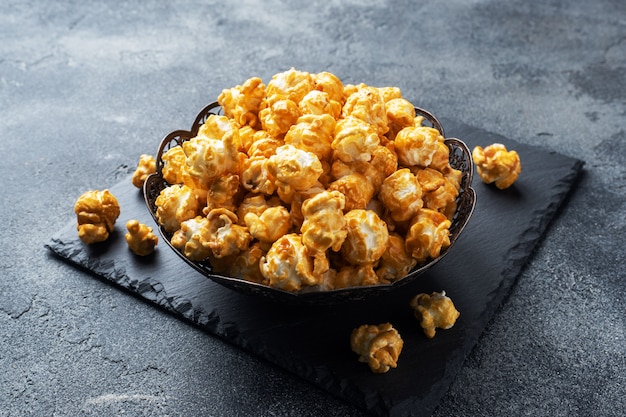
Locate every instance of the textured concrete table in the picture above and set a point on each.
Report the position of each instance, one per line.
(86, 88)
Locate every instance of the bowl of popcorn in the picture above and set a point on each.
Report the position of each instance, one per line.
(306, 189)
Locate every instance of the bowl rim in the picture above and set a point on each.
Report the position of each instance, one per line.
(466, 202)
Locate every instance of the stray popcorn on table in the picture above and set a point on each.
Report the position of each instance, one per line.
(377, 345)
(434, 311)
(496, 164)
(96, 213)
(308, 182)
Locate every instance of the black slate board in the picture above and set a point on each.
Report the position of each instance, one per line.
(313, 342)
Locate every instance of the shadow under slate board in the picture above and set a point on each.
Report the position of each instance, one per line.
(313, 342)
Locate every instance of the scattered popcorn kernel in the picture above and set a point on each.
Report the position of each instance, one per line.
(377, 345)
(434, 311)
(146, 166)
(96, 213)
(497, 165)
(140, 238)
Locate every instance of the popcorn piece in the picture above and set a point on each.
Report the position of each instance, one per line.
(227, 237)
(270, 225)
(367, 237)
(175, 170)
(288, 265)
(401, 193)
(396, 262)
(242, 102)
(434, 311)
(324, 225)
(497, 165)
(278, 117)
(439, 192)
(330, 84)
(256, 177)
(367, 104)
(140, 238)
(389, 93)
(318, 103)
(255, 203)
(294, 170)
(146, 166)
(263, 144)
(193, 238)
(356, 188)
(377, 345)
(223, 192)
(355, 140)
(208, 159)
(417, 145)
(96, 213)
(292, 85)
(175, 204)
(313, 133)
(428, 234)
(400, 114)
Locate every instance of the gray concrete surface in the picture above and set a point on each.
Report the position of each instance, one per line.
(86, 87)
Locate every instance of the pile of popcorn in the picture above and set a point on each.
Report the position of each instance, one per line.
(307, 182)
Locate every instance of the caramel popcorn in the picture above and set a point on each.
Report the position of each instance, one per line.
(377, 345)
(140, 239)
(307, 182)
(96, 213)
(434, 311)
(497, 165)
(145, 167)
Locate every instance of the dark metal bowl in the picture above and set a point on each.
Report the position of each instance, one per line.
(460, 158)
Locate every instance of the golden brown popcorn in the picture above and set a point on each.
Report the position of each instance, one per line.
(434, 311)
(271, 224)
(242, 102)
(294, 170)
(175, 169)
(385, 159)
(497, 165)
(377, 345)
(263, 144)
(193, 238)
(96, 213)
(255, 203)
(175, 204)
(324, 225)
(278, 117)
(318, 102)
(146, 166)
(401, 194)
(313, 133)
(287, 265)
(256, 177)
(227, 236)
(428, 234)
(356, 188)
(367, 104)
(225, 192)
(208, 159)
(396, 262)
(292, 85)
(140, 238)
(389, 93)
(417, 145)
(439, 191)
(367, 237)
(330, 84)
(299, 197)
(400, 114)
(355, 140)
